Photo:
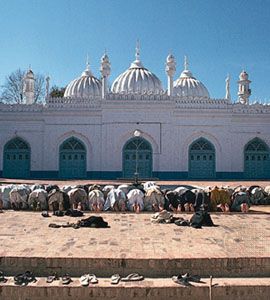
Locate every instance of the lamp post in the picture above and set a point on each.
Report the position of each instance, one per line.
(136, 133)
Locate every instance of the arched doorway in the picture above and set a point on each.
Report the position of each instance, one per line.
(16, 162)
(72, 159)
(256, 159)
(137, 154)
(202, 160)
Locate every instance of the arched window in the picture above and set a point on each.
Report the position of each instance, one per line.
(72, 159)
(203, 167)
(16, 160)
(256, 159)
(137, 157)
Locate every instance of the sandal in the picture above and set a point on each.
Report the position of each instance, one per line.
(84, 280)
(115, 279)
(2, 277)
(133, 277)
(93, 279)
(66, 279)
(52, 277)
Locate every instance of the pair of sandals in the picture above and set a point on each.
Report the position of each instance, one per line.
(186, 279)
(88, 278)
(24, 278)
(2, 277)
(131, 277)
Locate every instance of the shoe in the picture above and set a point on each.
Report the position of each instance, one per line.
(84, 280)
(115, 279)
(66, 279)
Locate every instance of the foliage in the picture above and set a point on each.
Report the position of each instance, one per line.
(12, 90)
(57, 91)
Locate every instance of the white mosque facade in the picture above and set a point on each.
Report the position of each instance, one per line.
(136, 128)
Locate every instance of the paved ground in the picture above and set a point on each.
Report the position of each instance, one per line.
(134, 236)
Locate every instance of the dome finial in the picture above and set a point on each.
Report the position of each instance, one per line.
(87, 63)
(186, 64)
(137, 53)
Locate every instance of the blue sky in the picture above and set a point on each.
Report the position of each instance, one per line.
(218, 36)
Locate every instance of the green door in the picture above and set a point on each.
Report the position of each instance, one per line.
(16, 162)
(137, 156)
(72, 159)
(202, 160)
(256, 160)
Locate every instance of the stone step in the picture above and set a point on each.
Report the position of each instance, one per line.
(148, 289)
(75, 266)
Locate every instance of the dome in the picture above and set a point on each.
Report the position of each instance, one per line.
(187, 85)
(243, 75)
(137, 79)
(85, 86)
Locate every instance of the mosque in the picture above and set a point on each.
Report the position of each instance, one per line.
(136, 128)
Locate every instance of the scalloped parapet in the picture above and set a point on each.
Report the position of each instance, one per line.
(72, 102)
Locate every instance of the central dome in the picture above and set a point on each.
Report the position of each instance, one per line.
(189, 86)
(85, 86)
(137, 80)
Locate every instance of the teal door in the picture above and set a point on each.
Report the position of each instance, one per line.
(137, 155)
(202, 160)
(256, 160)
(72, 159)
(16, 162)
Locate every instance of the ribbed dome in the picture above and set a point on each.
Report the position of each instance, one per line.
(189, 86)
(85, 86)
(137, 79)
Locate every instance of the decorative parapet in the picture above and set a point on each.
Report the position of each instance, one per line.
(255, 108)
(201, 103)
(146, 96)
(36, 107)
(70, 102)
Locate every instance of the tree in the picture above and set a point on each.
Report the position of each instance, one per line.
(57, 92)
(12, 90)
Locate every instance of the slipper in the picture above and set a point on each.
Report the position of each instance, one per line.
(84, 280)
(52, 277)
(66, 279)
(93, 279)
(133, 277)
(115, 279)
(181, 280)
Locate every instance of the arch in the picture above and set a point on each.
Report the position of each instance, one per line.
(137, 156)
(16, 159)
(202, 159)
(256, 159)
(72, 158)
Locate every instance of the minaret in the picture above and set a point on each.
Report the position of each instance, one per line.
(170, 70)
(228, 93)
(29, 87)
(243, 88)
(47, 86)
(105, 70)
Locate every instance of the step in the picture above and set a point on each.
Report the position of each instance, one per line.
(148, 289)
(75, 266)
